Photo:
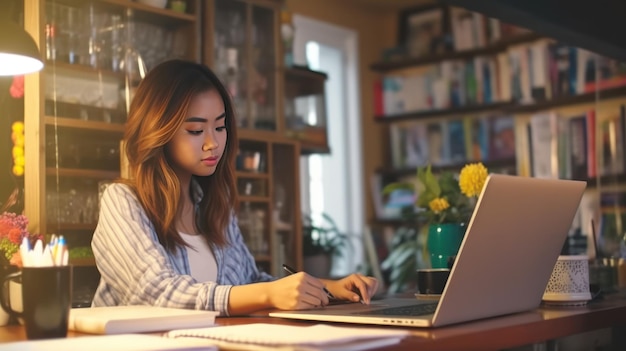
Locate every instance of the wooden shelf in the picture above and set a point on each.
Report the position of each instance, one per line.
(499, 46)
(308, 148)
(301, 81)
(245, 198)
(142, 12)
(58, 227)
(508, 107)
(82, 173)
(53, 65)
(446, 112)
(490, 164)
(251, 175)
(83, 262)
(568, 100)
(262, 258)
(297, 71)
(81, 124)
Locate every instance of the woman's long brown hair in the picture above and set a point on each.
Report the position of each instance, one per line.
(156, 112)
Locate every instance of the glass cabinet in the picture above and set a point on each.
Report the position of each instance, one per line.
(75, 109)
(96, 52)
(245, 48)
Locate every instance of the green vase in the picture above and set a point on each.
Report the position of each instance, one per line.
(444, 241)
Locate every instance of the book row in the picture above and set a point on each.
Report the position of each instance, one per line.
(579, 146)
(453, 141)
(523, 73)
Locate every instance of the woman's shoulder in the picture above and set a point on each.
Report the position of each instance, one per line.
(118, 191)
(117, 188)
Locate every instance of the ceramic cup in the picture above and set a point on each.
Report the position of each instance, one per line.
(46, 297)
(432, 281)
(569, 282)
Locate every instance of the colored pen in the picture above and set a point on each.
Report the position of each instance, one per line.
(293, 271)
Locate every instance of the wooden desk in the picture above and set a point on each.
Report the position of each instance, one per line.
(536, 326)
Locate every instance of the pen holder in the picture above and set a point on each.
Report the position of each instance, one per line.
(46, 300)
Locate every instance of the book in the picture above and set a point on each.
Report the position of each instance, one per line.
(265, 336)
(501, 137)
(127, 342)
(136, 319)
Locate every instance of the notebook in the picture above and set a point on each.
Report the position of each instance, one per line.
(511, 245)
(136, 319)
(126, 342)
(265, 336)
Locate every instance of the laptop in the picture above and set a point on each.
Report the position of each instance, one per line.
(511, 245)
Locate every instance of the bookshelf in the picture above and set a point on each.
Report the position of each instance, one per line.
(524, 78)
(565, 107)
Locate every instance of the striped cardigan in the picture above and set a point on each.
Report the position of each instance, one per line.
(137, 270)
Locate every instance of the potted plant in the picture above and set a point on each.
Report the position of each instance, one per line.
(321, 241)
(442, 208)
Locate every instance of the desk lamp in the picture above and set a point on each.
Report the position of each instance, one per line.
(18, 51)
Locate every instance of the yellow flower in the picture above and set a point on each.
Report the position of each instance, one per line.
(472, 179)
(18, 126)
(438, 205)
(19, 141)
(18, 170)
(19, 161)
(17, 151)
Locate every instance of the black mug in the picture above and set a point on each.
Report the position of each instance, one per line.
(432, 281)
(46, 300)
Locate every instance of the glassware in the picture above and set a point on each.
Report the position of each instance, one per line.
(133, 64)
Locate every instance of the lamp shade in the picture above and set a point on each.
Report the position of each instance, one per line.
(18, 52)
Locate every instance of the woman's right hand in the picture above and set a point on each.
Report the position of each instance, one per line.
(297, 292)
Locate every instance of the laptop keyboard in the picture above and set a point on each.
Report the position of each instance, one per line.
(412, 310)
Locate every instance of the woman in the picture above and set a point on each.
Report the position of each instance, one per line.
(168, 236)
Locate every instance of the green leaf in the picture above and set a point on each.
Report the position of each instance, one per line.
(398, 256)
(391, 187)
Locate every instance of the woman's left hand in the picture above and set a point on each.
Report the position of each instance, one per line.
(354, 287)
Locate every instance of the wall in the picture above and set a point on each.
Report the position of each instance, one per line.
(376, 30)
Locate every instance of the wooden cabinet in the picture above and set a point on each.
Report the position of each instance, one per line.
(269, 215)
(76, 109)
(243, 49)
(305, 109)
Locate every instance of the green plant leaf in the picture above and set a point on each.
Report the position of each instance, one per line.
(400, 254)
(391, 187)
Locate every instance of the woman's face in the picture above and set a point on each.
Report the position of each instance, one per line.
(198, 145)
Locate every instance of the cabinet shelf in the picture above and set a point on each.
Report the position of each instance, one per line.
(72, 226)
(257, 199)
(262, 258)
(143, 12)
(309, 82)
(494, 48)
(251, 175)
(81, 124)
(82, 262)
(80, 69)
(82, 173)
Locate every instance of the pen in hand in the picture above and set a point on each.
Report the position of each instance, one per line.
(290, 270)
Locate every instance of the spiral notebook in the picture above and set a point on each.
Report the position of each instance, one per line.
(265, 336)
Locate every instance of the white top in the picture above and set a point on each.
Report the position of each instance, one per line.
(201, 260)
